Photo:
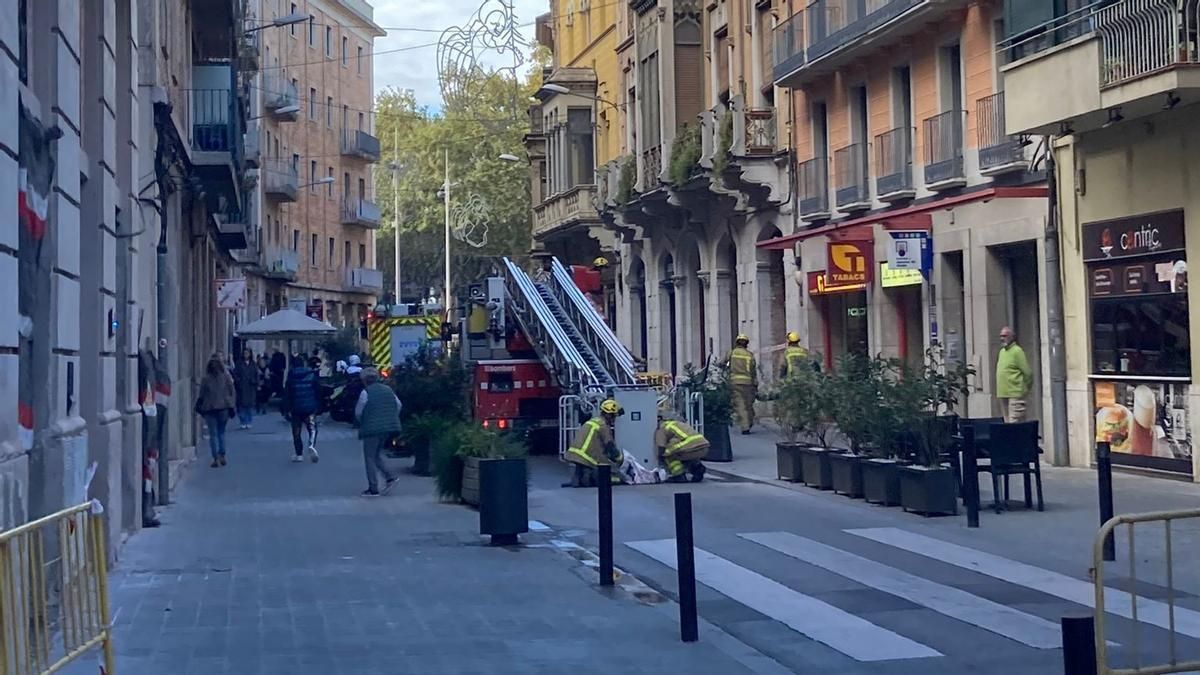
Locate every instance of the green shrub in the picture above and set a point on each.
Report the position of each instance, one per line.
(457, 441)
(802, 405)
(724, 143)
(685, 155)
(429, 382)
(716, 391)
(626, 180)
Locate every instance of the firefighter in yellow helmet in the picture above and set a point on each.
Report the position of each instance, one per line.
(680, 447)
(594, 445)
(795, 357)
(743, 375)
(600, 263)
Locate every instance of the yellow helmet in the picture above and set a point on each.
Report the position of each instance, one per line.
(600, 262)
(742, 337)
(793, 337)
(610, 407)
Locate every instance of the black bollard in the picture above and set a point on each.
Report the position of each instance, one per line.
(970, 468)
(1079, 645)
(1104, 483)
(604, 494)
(685, 557)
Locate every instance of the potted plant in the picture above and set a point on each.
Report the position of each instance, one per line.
(929, 486)
(717, 393)
(798, 411)
(815, 467)
(433, 392)
(859, 413)
(903, 396)
(417, 436)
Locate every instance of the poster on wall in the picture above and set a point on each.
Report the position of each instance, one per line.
(1145, 423)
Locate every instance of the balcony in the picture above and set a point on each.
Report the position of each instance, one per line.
(944, 168)
(248, 48)
(812, 178)
(231, 230)
(760, 131)
(360, 144)
(279, 263)
(834, 33)
(280, 98)
(893, 165)
(998, 152)
(1137, 56)
(216, 133)
(364, 280)
(850, 187)
(252, 146)
(281, 181)
(651, 177)
(361, 212)
(565, 211)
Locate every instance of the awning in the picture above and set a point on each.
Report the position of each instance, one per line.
(286, 324)
(915, 217)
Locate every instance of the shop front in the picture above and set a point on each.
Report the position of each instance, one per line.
(904, 289)
(1137, 287)
(844, 316)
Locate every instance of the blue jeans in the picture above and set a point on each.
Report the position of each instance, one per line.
(245, 414)
(216, 431)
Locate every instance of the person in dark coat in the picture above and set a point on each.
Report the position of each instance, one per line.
(215, 403)
(301, 404)
(264, 384)
(245, 382)
(278, 368)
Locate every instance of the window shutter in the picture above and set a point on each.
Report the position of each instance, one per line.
(689, 83)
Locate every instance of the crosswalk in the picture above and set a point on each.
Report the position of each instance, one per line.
(1025, 624)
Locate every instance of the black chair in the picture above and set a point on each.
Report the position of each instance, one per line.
(981, 426)
(1013, 449)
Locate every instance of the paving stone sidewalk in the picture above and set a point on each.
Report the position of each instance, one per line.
(266, 566)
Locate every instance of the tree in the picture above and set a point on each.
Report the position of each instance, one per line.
(473, 134)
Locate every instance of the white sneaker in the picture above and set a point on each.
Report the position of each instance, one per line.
(297, 458)
(312, 454)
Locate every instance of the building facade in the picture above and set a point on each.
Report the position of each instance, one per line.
(311, 138)
(1123, 129)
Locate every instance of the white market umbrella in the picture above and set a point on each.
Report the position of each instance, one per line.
(286, 324)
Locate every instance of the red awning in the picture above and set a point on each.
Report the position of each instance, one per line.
(909, 218)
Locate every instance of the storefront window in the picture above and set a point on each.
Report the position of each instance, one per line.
(1144, 335)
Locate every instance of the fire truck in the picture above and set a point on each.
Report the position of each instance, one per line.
(395, 332)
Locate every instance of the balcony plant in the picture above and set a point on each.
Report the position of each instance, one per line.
(626, 180)
(685, 155)
(724, 143)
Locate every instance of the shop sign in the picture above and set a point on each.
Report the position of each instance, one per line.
(819, 284)
(316, 310)
(1139, 235)
(1145, 421)
(231, 293)
(910, 250)
(1162, 275)
(298, 305)
(849, 262)
(896, 278)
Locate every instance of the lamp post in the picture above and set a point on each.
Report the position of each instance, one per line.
(279, 22)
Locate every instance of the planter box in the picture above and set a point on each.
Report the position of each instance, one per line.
(928, 490)
(503, 499)
(815, 468)
(881, 481)
(787, 458)
(420, 465)
(846, 469)
(470, 481)
(719, 447)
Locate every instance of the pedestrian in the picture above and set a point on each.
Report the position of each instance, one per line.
(245, 381)
(378, 415)
(795, 357)
(215, 403)
(1013, 377)
(594, 444)
(301, 403)
(264, 384)
(743, 375)
(278, 367)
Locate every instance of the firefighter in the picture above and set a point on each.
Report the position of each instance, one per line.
(600, 263)
(743, 375)
(795, 357)
(680, 447)
(593, 446)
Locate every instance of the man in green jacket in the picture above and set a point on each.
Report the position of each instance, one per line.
(378, 414)
(1013, 377)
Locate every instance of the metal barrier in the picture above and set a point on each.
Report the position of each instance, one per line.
(568, 421)
(54, 592)
(1173, 665)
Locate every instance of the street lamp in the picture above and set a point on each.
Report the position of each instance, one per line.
(279, 22)
(323, 181)
(506, 157)
(551, 88)
(285, 110)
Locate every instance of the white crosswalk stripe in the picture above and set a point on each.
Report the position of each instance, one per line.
(952, 602)
(849, 634)
(1117, 602)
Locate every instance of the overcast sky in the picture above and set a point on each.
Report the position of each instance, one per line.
(416, 69)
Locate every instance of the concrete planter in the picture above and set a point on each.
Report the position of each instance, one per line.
(470, 481)
(503, 499)
(929, 491)
(787, 458)
(847, 474)
(816, 469)
(881, 481)
(720, 449)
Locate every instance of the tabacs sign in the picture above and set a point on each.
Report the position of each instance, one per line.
(849, 263)
(1147, 234)
(819, 284)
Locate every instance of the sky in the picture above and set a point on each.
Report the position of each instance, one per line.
(416, 69)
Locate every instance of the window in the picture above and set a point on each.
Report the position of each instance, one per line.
(345, 51)
(328, 40)
(296, 165)
(329, 187)
(360, 122)
(579, 134)
(345, 117)
(362, 255)
(346, 254)
(312, 31)
(329, 111)
(346, 186)
(23, 41)
(358, 62)
(312, 103)
(292, 27)
(312, 175)
(331, 245)
(295, 240)
(312, 251)
(362, 190)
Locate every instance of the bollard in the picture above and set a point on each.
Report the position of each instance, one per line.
(604, 495)
(1104, 484)
(685, 557)
(970, 469)
(1079, 645)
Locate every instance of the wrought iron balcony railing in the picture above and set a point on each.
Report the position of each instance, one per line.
(944, 149)
(850, 163)
(893, 164)
(812, 178)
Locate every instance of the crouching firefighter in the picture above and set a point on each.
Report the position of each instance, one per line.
(594, 445)
(680, 448)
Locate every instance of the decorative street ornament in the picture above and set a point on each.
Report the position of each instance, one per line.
(468, 221)
(490, 35)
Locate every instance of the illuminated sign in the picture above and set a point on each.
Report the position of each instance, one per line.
(819, 284)
(890, 278)
(849, 262)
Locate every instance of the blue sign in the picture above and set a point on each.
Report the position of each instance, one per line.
(911, 250)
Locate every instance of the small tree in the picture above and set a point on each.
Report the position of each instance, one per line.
(855, 399)
(800, 406)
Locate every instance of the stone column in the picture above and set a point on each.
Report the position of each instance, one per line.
(721, 311)
(685, 338)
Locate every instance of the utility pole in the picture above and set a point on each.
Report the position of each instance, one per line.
(1054, 314)
(396, 210)
(446, 200)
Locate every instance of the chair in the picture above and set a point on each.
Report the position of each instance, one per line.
(1013, 449)
(982, 428)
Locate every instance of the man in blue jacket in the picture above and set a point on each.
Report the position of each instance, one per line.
(301, 403)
